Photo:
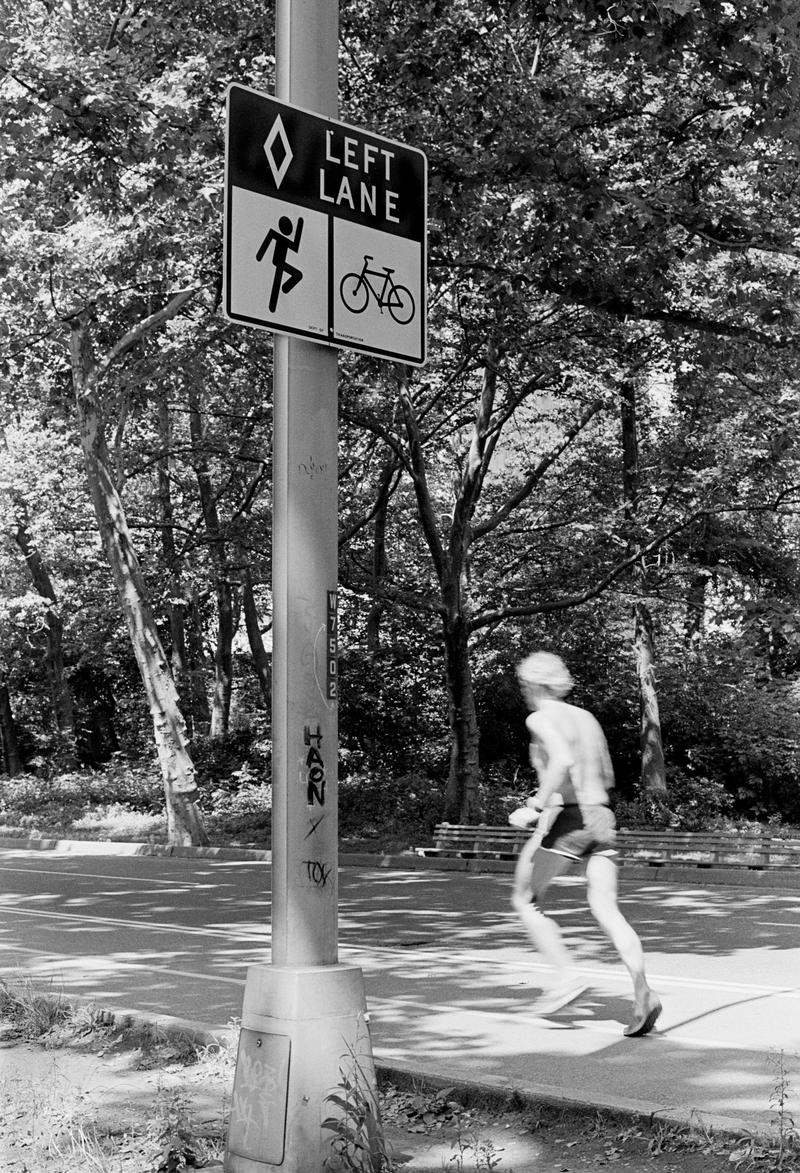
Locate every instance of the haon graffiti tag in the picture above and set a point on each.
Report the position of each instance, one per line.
(315, 767)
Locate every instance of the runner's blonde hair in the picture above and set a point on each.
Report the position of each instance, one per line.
(546, 669)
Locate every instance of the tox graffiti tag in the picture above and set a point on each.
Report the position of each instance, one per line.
(317, 872)
(315, 767)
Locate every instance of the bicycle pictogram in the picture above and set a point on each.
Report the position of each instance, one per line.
(356, 289)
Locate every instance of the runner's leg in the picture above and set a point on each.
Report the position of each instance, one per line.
(601, 878)
(535, 870)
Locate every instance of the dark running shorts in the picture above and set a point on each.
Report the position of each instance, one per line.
(581, 831)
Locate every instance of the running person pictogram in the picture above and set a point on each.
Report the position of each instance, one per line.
(283, 241)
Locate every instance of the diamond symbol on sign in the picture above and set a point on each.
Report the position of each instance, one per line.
(278, 166)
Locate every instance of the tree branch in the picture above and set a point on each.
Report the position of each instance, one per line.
(424, 503)
(143, 328)
(390, 479)
(564, 604)
(536, 474)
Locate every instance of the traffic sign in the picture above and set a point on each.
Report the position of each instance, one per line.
(325, 229)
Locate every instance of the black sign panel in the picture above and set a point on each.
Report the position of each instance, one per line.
(325, 229)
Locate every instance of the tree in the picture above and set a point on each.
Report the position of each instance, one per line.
(10, 758)
(597, 174)
(180, 786)
(112, 105)
(186, 650)
(20, 532)
(634, 167)
(653, 771)
(61, 693)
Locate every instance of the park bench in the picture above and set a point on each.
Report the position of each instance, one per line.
(702, 849)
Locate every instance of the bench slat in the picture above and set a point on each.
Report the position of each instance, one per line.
(698, 848)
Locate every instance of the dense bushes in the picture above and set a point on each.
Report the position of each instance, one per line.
(731, 743)
(376, 807)
(690, 804)
(58, 801)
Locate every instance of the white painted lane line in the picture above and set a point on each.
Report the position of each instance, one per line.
(259, 937)
(66, 963)
(609, 974)
(87, 921)
(111, 878)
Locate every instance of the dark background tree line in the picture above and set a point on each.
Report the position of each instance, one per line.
(600, 456)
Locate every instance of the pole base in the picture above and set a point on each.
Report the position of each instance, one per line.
(305, 1037)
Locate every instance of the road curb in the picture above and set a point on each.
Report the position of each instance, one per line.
(697, 876)
(491, 1093)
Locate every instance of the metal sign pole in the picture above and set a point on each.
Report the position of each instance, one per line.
(305, 567)
(304, 709)
(304, 1017)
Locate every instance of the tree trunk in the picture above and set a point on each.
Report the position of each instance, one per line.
(462, 796)
(261, 661)
(380, 563)
(187, 668)
(184, 822)
(11, 760)
(176, 607)
(223, 660)
(60, 692)
(694, 622)
(653, 774)
(630, 452)
(226, 625)
(201, 713)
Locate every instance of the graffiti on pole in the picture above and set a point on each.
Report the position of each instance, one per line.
(315, 767)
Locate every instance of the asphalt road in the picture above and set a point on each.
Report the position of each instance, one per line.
(448, 974)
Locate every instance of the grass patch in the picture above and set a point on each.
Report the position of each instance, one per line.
(118, 821)
(52, 1127)
(30, 1013)
(52, 1122)
(45, 1017)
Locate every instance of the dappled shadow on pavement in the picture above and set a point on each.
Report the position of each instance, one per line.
(473, 910)
(581, 1056)
(448, 972)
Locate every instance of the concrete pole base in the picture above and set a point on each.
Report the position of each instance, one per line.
(305, 1036)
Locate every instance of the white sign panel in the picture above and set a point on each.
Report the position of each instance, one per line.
(325, 230)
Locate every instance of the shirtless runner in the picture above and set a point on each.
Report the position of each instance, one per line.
(570, 755)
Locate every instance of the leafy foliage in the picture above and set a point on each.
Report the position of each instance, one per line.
(612, 209)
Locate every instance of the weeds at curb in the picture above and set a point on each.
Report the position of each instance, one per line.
(31, 1013)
